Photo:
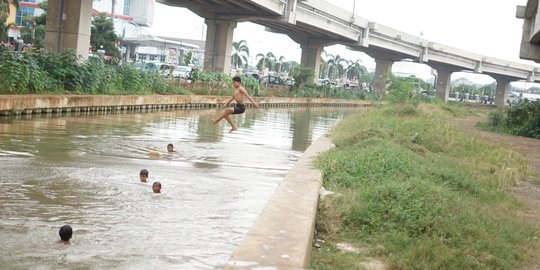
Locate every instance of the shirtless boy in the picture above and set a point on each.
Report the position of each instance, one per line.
(238, 95)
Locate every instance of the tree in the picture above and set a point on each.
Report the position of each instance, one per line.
(355, 70)
(302, 76)
(288, 66)
(187, 58)
(240, 54)
(324, 65)
(102, 34)
(4, 15)
(278, 65)
(35, 33)
(336, 69)
(265, 61)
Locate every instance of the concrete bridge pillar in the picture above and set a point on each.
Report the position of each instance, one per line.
(219, 38)
(443, 83)
(503, 86)
(383, 68)
(70, 29)
(311, 57)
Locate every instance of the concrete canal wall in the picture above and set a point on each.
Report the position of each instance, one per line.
(283, 233)
(34, 104)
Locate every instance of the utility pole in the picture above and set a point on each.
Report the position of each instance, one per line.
(112, 10)
(60, 27)
(353, 8)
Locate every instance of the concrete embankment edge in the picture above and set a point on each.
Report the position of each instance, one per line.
(36, 104)
(282, 235)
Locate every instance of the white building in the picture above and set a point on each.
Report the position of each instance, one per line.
(131, 21)
(26, 8)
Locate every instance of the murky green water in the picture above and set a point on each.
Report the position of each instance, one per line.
(83, 170)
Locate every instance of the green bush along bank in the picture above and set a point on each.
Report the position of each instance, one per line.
(522, 118)
(419, 193)
(43, 73)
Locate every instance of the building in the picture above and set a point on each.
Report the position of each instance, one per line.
(132, 19)
(149, 48)
(28, 8)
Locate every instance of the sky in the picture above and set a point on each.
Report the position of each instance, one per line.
(485, 27)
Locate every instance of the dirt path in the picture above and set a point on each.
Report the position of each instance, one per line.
(526, 189)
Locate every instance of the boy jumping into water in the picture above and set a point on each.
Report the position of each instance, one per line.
(238, 95)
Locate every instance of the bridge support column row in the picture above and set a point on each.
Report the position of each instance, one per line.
(383, 68)
(443, 87)
(311, 57)
(70, 30)
(443, 83)
(217, 52)
(503, 86)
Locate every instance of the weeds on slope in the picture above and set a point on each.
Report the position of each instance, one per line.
(420, 193)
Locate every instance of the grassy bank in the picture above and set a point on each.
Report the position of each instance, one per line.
(419, 193)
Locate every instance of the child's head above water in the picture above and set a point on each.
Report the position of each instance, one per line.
(156, 187)
(143, 175)
(170, 147)
(65, 233)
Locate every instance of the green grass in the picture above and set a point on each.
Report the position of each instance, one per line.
(419, 193)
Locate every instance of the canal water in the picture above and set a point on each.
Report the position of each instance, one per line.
(83, 170)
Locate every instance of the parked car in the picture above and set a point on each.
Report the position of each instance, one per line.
(165, 70)
(145, 66)
(181, 72)
(275, 80)
(321, 82)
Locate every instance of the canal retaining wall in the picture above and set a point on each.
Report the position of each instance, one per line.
(283, 233)
(35, 104)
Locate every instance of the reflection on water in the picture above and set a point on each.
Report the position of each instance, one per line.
(83, 170)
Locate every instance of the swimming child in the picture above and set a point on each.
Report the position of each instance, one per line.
(65, 233)
(170, 148)
(238, 95)
(156, 187)
(143, 175)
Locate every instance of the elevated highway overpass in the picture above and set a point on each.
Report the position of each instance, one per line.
(313, 24)
(530, 39)
(317, 23)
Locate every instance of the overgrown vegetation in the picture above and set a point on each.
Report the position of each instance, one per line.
(103, 36)
(41, 72)
(522, 119)
(419, 193)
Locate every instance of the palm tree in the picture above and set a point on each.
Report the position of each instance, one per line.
(355, 70)
(265, 61)
(335, 66)
(324, 65)
(240, 54)
(288, 66)
(278, 65)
